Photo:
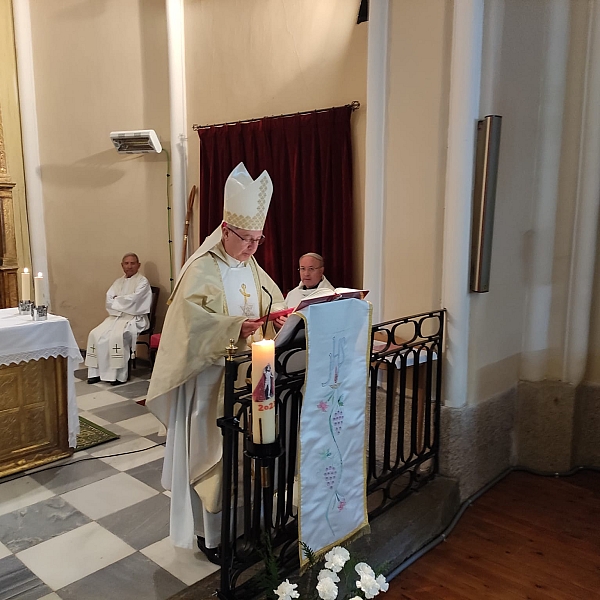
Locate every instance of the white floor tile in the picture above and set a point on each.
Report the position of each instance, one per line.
(143, 425)
(22, 492)
(94, 418)
(107, 496)
(187, 565)
(4, 551)
(52, 596)
(98, 399)
(74, 555)
(129, 461)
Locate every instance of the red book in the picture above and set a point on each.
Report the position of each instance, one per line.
(280, 313)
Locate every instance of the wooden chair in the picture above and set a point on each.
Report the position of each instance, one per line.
(152, 318)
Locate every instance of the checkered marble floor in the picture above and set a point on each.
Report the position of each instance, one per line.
(97, 529)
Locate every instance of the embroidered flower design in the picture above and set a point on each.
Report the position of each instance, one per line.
(341, 505)
(330, 474)
(337, 421)
(323, 406)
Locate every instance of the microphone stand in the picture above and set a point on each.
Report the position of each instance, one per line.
(268, 311)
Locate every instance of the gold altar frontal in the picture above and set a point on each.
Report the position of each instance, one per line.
(33, 414)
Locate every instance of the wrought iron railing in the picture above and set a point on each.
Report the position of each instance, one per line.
(403, 414)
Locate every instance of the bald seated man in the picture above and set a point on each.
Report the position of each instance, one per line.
(312, 277)
(109, 345)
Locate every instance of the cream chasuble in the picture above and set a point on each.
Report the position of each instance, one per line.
(128, 302)
(212, 299)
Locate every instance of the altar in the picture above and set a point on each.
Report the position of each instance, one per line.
(39, 420)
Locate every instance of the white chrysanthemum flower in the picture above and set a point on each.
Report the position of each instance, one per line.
(356, 598)
(287, 590)
(327, 574)
(364, 569)
(336, 558)
(383, 584)
(327, 589)
(369, 586)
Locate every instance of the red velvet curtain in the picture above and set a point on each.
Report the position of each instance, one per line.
(309, 159)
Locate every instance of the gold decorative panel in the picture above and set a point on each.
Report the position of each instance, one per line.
(8, 241)
(33, 414)
(9, 291)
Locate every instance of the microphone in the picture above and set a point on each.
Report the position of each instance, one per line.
(268, 311)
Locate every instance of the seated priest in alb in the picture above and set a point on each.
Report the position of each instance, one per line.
(220, 295)
(312, 277)
(109, 345)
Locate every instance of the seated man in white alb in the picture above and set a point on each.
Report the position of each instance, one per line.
(109, 345)
(311, 270)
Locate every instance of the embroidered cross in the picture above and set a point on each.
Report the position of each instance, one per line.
(244, 293)
(93, 348)
(246, 307)
(116, 349)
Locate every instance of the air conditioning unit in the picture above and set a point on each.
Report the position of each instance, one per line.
(136, 142)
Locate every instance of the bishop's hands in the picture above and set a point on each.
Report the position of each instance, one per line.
(280, 321)
(249, 326)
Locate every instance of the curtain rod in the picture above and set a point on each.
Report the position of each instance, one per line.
(354, 105)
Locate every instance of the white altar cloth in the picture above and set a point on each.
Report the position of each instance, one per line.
(22, 340)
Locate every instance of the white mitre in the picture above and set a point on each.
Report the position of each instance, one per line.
(246, 205)
(247, 200)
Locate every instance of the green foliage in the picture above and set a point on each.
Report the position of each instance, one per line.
(268, 580)
(309, 554)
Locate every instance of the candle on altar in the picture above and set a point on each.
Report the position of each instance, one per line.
(38, 289)
(25, 285)
(263, 392)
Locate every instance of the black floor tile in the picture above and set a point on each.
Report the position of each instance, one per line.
(17, 581)
(132, 578)
(29, 526)
(142, 524)
(150, 473)
(131, 390)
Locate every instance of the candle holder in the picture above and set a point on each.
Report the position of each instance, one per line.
(25, 307)
(260, 451)
(264, 456)
(39, 313)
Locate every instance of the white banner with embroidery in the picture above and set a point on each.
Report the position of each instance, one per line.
(332, 425)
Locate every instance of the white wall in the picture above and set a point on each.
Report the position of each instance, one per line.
(417, 131)
(100, 67)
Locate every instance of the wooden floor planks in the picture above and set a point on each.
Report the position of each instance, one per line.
(529, 537)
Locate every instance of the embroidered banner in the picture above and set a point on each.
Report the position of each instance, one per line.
(332, 425)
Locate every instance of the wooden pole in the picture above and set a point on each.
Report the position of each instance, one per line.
(188, 217)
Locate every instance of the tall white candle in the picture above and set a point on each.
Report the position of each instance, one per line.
(38, 288)
(25, 284)
(263, 392)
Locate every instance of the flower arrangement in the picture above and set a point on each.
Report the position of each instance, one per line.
(337, 561)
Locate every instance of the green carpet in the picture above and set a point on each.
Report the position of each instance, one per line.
(91, 434)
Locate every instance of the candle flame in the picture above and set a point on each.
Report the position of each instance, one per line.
(25, 270)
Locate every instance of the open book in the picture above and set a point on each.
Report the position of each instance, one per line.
(318, 296)
(327, 295)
